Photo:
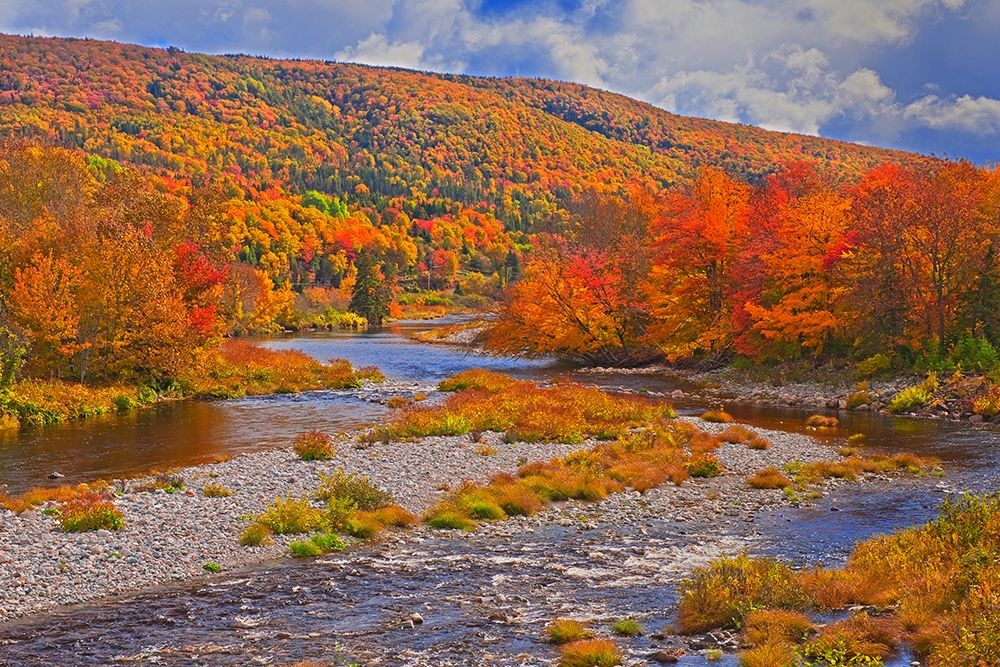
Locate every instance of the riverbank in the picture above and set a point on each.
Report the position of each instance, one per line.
(172, 535)
(973, 397)
(236, 369)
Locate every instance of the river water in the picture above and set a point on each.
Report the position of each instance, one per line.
(471, 589)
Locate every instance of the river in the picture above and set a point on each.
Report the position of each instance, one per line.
(346, 608)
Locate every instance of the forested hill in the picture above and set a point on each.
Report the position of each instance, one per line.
(378, 137)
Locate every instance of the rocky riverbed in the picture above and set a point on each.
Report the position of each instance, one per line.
(421, 597)
(172, 535)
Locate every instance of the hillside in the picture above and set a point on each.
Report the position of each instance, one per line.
(380, 137)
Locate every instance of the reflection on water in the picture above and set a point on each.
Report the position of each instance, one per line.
(188, 432)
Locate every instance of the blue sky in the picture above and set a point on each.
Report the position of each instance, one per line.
(916, 74)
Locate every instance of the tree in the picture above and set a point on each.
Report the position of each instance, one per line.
(44, 304)
(372, 292)
(698, 240)
(801, 302)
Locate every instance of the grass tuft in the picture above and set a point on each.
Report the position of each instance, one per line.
(88, 512)
(769, 478)
(590, 653)
(565, 630)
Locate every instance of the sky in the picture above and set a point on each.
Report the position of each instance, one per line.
(921, 75)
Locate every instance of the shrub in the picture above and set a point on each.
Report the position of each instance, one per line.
(822, 421)
(291, 516)
(975, 354)
(216, 491)
(328, 542)
(317, 545)
(722, 594)
(718, 416)
(358, 489)
(255, 535)
(704, 465)
(212, 566)
(909, 398)
(485, 450)
(304, 549)
(313, 446)
(873, 365)
(988, 404)
(769, 478)
(590, 653)
(627, 627)
(564, 631)
(90, 511)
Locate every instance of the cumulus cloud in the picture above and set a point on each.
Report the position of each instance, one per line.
(978, 115)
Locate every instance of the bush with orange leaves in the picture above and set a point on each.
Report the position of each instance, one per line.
(524, 411)
(241, 368)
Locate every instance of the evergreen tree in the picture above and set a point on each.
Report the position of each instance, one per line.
(372, 291)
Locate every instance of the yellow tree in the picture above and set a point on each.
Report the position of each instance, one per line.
(43, 304)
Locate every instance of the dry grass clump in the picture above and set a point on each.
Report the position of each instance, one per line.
(853, 466)
(640, 460)
(90, 511)
(365, 525)
(769, 478)
(722, 594)
(565, 630)
(758, 442)
(42, 495)
(255, 535)
(737, 434)
(216, 491)
(822, 421)
(718, 416)
(938, 585)
(396, 402)
(770, 626)
(704, 465)
(477, 378)
(590, 653)
(313, 446)
(777, 654)
(485, 450)
(240, 368)
(523, 411)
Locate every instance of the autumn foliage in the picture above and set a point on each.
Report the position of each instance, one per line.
(795, 265)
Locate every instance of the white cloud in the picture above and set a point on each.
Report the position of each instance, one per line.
(376, 49)
(977, 115)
